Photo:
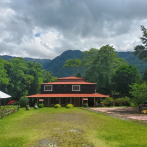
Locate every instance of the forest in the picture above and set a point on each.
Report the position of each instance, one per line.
(19, 78)
(113, 75)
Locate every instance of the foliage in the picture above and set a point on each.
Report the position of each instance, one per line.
(57, 106)
(23, 101)
(73, 63)
(139, 93)
(140, 50)
(109, 101)
(19, 78)
(103, 66)
(85, 105)
(124, 76)
(69, 106)
(3, 73)
(40, 105)
(122, 102)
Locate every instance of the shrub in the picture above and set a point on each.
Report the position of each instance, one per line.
(57, 106)
(40, 105)
(69, 106)
(85, 105)
(108, 101)
(23, 101)
(122, 102)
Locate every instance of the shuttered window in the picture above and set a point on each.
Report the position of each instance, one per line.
(48, 87)
(76, 88)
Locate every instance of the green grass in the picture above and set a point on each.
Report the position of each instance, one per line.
(69, 127)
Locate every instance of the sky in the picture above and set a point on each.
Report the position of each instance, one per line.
(46, 28)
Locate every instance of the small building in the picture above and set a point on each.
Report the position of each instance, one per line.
(68, 90)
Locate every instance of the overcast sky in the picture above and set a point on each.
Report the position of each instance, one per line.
(46, 28)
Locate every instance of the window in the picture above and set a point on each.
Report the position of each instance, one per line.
(75, 87)
(48, 87)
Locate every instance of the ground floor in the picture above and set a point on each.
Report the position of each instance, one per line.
(49, 100)
(63, 101)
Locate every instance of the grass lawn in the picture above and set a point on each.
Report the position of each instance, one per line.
(69, 127)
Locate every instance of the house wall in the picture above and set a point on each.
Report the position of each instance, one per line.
(68, 89)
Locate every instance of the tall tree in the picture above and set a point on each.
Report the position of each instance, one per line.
(139, 93)
(141, 50)
(103, 66)
(3, 75)
(73, 63)
(124, 76)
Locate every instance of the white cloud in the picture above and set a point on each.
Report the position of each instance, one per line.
(69, 25)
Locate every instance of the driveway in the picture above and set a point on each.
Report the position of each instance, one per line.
(125, 113)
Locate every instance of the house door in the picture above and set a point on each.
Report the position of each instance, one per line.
(76, 101)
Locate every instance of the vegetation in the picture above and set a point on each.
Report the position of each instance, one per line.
(40, 105)
(23, 101)
(19, 78)
(57, 106)
(124, 76)
(140, 50)
(69, 105)
(66, 127)
(122, 102)
(109, 101)
(139, 93)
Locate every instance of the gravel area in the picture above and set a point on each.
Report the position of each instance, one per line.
(123, 113)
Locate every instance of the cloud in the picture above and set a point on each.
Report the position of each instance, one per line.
(45, 29)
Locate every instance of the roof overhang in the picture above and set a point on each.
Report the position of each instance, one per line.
(68, 95)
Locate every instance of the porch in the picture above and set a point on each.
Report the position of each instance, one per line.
(63, 101)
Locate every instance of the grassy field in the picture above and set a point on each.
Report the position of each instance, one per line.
(69, 127)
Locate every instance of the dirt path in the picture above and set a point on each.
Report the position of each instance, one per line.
(126, 113)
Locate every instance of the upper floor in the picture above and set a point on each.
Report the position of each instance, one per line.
(68, 85)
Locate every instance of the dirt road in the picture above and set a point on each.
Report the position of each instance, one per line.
(123, 113)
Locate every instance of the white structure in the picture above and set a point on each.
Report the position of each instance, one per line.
(3, 96)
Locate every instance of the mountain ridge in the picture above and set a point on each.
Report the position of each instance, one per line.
(55, 66)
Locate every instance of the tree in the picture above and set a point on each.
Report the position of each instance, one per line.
(140, 50)
(102, 67)
(73, 63)
(3, 73)
(139, 93)
(124, 76)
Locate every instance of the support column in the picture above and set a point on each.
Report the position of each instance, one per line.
(94, 101)
(59, 100)
(0, 103)
(82, 101)
(48, 102)
(37, 101)
(70, 100)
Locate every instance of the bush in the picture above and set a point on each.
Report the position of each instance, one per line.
(69, 106)
(23, 101)
(40, 105)
(85, 105)
(122, 102)
(57, 106)
(108, 101)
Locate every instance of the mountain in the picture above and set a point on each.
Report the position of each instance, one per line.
(41, 61)
(133, 60)
(56, 65)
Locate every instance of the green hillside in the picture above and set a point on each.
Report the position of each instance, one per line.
(56, 65)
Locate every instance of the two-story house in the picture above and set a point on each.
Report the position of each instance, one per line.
(73, 90)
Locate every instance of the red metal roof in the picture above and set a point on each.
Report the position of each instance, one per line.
(73, 78)
(69, 95)
(54, 83)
